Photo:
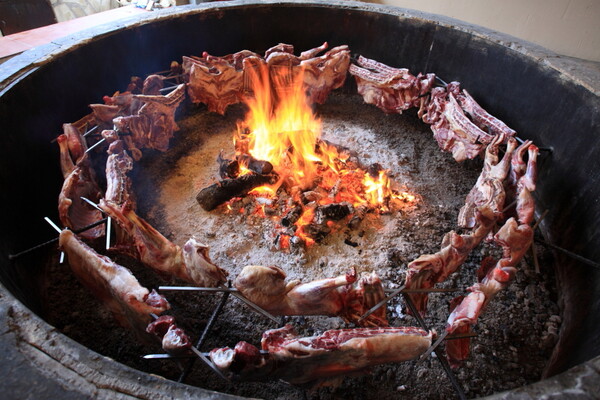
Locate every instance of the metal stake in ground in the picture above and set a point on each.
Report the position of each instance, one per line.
(213, 318)
(440, 356)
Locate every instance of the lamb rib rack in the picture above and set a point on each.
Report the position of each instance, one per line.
(317, 360)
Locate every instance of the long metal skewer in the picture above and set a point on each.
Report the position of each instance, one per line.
(95, 144)
(400, 290)
(39, 246)
(253, 306)
(440, 356)
(382, 302)
(209, 363)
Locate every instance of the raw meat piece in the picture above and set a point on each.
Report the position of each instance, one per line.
(190, 263)
(318, 359)
(113, 284)
(345, 296)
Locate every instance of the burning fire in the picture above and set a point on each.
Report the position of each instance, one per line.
(281, 128)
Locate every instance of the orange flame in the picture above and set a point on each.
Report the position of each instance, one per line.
(281, 128)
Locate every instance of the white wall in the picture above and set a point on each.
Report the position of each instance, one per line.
(568, 27)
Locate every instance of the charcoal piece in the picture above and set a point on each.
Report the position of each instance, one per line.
(359, 215)
(332, 212)
(254, 165)
(292, 216)
(228, 168)
(214, 195)
(374, 169)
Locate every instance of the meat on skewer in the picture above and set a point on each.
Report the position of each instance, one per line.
(190, 263)
(173, 339)
(73, 212)
(320, 359)
(515, 238)
(345, 296)
(113, 284)
(154, 124)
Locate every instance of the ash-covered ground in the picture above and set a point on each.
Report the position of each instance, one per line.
(516, 333)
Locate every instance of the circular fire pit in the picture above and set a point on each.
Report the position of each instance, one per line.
(534, 91)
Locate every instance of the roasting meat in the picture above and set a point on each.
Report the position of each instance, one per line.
(190, 263)
(344, 296)
(323, 74)
(429, 269)
(515, 240)
(153, 126)
(73, 212)
(482, 118)
(393, 90)
(173, 339)
(216, 81)
(113, 284)
(118, 183)
(322, 359)
(489, 188)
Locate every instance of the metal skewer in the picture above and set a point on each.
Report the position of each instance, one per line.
(233, 291)
(197, 289)
(39, 246)
(441, 357)
(213, 318)
(56, 227)
(168, 88)
(209, 363)
(253, 306)
(382, 302)
(402, 289)
(432, 348)
(90, 131)
(95, 144)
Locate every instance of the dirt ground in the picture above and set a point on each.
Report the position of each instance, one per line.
(515, 334)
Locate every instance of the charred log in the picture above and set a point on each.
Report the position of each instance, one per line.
(228, 168)
(259, 166)
(214, 195)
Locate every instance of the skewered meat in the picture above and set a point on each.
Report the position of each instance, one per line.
(153, 126)
(113, 284)
(515, 240)
(320, 359)
(482, 118)
(73, 212)
(526, 185)
(190, 263)
(174, 340)
(393, 90)
(462, 127)
(489, 188)
(429, 269)
(120, 104)
(323, 74)
(152, 85)
(216, 81)
(344, 296)
(118, 183)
